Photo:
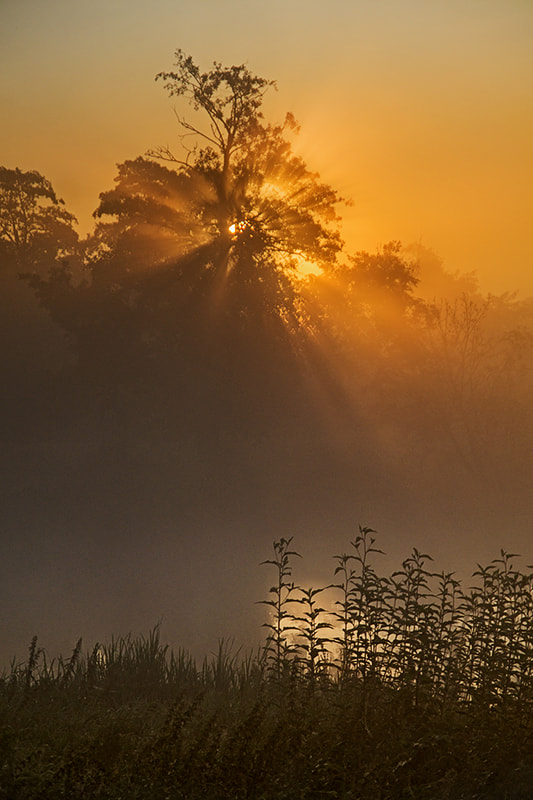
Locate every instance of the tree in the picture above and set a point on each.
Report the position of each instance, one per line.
(207, 248)
(267, 213)
(361, 310)
(155, 219)
(36, 231)
(382, 280)
(193, 269)
(36, 236)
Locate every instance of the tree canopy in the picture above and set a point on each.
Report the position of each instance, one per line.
(267, 213)
(205, 247)
(36, 230)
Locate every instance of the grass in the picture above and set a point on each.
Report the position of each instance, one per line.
(409, 686)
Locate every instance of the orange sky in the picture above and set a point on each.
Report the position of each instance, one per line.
(420, 111)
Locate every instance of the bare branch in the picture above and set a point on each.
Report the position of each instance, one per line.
(164, 153)
(193, 131)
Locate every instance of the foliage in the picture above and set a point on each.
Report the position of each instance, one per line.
(36, 231)
(156, 215)
(191, 281)
(426, 692)
(225, 230)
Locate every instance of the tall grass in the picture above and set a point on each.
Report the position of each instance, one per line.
(409, 686)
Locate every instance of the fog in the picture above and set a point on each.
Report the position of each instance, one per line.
(123, 506)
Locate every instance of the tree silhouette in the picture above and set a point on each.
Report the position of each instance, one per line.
(267, 213)
(37, 237)
(380, 285)
(36, 231)
(193, 271)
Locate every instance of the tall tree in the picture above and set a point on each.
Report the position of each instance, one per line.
(268, 213)
(194, 265)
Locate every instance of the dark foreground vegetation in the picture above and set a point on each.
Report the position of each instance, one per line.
(409, 686)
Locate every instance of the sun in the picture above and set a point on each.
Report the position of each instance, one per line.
(237, 227)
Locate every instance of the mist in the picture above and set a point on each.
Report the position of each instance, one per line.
(124, 506)
(211, 369)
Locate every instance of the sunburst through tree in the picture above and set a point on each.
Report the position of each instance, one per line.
(199, 252)
(239, 214)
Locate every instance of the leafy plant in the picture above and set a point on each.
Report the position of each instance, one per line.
(313, 643)
(411, 687)
(279, 647)
(360, 611)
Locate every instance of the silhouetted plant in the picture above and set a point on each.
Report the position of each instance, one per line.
(279, 647)
(432, 698)
(361, 609)
(32, 662)
(407, 644)
(447, 616)
(70, 666)
(497, 645)
(314, 657)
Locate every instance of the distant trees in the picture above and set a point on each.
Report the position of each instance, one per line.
(35, 228)
(377, 277)
(372, 291)
(37, 238)
(476, 358)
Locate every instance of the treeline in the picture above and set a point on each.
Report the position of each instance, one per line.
(215, 297)
(407, 686)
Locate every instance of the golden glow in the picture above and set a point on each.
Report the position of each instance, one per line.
(305, 267)
(273, 190)
(428, 132)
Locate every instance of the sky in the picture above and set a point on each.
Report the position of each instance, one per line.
(420, 113)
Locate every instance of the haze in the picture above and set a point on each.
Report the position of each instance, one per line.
(421, 114)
